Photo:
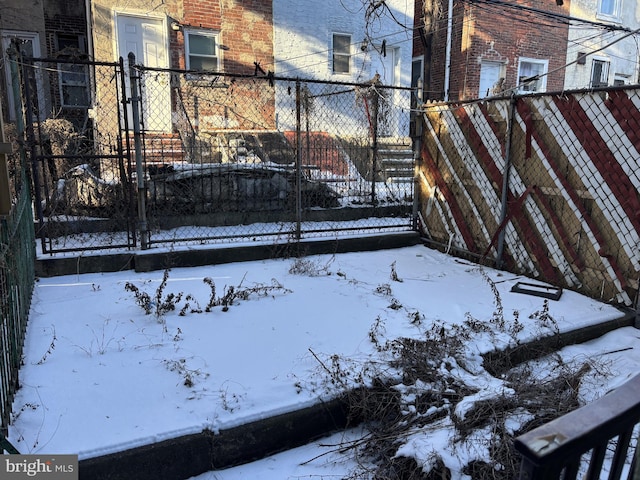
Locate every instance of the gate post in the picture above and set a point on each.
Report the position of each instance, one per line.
(505, 183)
(137, 140)
(5, 189)
(415, 129)
(22, 109)
(298, 161)
(375, 107)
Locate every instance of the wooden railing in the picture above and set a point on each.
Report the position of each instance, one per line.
(579, 441)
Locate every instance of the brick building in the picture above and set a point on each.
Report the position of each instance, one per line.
(229, 36)
(48, 29)
(332, 41)
(476, 49)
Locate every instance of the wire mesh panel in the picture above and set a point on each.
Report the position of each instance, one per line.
(149, 156)
(252, 157)
(80, 162)
(224, 165)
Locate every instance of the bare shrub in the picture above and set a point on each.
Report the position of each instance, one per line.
(161, 303)
(423, 383)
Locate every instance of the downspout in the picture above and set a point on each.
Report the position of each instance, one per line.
(447, 60)
(87, 7)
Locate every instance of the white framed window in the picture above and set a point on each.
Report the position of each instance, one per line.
(29, 43)
(417, 77)
(599, 73)
(532, 75)
(609, 9)
(341, 57)
(73, 79)
(202, 50)
(620, 80)
(492, 76)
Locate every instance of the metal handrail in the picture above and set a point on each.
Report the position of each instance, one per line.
(555, 449)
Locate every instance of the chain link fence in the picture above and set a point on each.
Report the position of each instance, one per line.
(274, 157)
(543, 185)
(141, 156)
(80, 158)
(17, 265)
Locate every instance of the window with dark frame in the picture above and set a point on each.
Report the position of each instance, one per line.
(417, 72)
(599, 73)
(341, 53)
(73, 78)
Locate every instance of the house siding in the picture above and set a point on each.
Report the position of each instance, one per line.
(622, 55)
(303, 35)
(303, 38)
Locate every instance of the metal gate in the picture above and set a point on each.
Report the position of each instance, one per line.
(81, 162)
(275, 159)
(243, 157)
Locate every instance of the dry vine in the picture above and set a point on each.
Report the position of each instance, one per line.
(424, 382)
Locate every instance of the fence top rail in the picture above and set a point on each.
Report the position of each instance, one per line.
(558, 93)
(269, 77)
(577, 432)
(74, 61)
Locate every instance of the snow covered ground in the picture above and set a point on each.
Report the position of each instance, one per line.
(101, 375)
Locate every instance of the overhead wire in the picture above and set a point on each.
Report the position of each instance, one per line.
(519, 14)
(550, 14)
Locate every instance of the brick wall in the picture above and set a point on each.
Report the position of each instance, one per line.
(63, 17)
(485, 34)
(245, 27)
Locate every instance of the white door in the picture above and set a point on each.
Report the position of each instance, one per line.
(146, 38)
(489, 78)
(385, 66)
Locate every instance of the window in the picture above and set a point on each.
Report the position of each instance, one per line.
(599, 73)
(201, 50)
(532, 75)
(619, 80)
(417, 83)
(73, 78)
(609, 8)
(491, 79)
(29, 44)
(341, 53)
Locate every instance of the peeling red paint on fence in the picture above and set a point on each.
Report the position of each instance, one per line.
(572, 213)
